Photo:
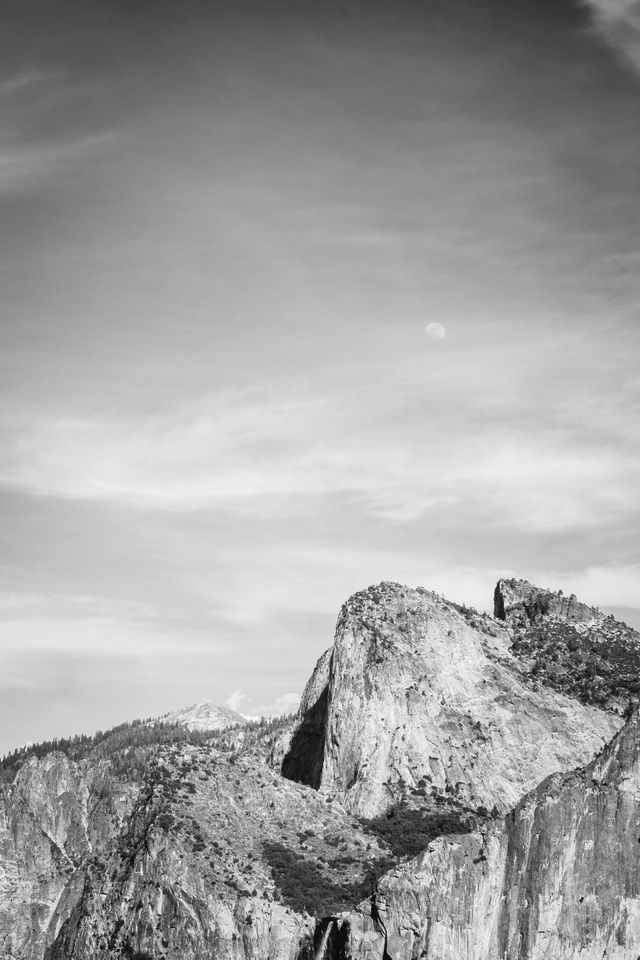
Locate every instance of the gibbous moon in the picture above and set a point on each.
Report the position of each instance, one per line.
(435, 331)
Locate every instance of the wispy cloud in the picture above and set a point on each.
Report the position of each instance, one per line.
(88, 637)
(266, 453)
(39, 138)
(71, 606)
(25, 80)
(91, 626)
(22, 166)
(287, 209)
(619, 22)
(47, 639)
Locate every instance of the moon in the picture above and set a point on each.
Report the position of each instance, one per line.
(435, 331)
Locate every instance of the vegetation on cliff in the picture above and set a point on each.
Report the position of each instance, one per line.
(130, 746)
(156, 840)
(597, 663)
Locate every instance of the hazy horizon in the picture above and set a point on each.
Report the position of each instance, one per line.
(294, 301)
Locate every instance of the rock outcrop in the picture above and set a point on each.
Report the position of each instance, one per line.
(221, 858)
(54, 816)
(564, 644)
(558, 878)
(427, 778)
(520, 602)
(417, 690)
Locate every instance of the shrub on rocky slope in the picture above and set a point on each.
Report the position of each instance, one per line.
(152, 841)
(570, 647)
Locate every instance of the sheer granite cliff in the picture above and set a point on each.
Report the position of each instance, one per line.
(558, 878)
(429, 765)
(417, 690)
(54, 816)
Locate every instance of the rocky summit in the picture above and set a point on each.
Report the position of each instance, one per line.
(455, 786)
(417, 690)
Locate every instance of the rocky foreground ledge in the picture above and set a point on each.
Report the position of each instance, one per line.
(456, 786)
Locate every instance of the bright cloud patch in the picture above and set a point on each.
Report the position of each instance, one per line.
(619, 21)
(285, 704)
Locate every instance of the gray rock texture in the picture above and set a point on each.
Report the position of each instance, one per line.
(192, 875)
(205, 715)
(53, 818)
(521, 602)
(418, 689)
(440, 801)
(558, 878)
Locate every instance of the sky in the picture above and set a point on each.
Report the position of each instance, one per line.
(224, 232)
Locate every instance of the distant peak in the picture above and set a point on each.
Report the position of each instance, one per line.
(205, 715)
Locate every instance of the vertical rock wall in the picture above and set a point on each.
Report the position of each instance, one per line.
(419, 690)
(558, 878)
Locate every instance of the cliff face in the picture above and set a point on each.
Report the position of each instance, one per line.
(558, 877)
(521, 602)
(221, 857)
(420, 719)
(175, 887)
(52, 818)
(418, 691)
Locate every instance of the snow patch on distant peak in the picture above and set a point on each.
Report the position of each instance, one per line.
(205, 715)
